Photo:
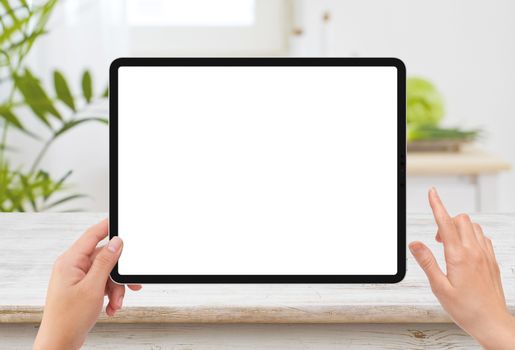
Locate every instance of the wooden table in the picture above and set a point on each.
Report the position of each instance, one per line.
(401, 316)
(467, 179)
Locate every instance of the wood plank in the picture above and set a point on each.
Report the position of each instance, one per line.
(29, 243)
(265, 337)
(466, 162)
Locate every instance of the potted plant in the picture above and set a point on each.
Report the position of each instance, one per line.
(31, 187)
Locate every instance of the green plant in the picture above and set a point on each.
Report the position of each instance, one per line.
(436, 133)
(33, 188)
(424, 103)
(424, 112)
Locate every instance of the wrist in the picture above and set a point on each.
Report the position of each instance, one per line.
(44, 342)
(500, 335)
(47, 339)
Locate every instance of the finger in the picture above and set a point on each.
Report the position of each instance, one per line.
(495, 266)
(465, 230)
(490, 247)
(95, 253)
(490, 257)
(110, 311)
(116, 292)
(480, 237)
(104, 262)
(426, 260)
(84, 263)
(135, 287)
(87, 243)
(446, 228)
(438, 238)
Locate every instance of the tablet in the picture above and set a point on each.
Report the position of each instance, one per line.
(258, 170)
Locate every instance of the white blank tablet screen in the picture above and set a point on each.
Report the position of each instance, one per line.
(258, 170)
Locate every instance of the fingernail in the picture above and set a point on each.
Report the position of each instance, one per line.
(114, 244)
(435, 192)
(120, 302)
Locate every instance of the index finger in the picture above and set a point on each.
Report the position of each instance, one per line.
(87, 243)
(446, 228)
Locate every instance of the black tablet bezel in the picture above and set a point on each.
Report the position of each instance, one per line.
(401, 168)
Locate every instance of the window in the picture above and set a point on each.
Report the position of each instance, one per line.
(206, 27)
(191, 13)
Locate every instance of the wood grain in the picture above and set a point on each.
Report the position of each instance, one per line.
(29, 243)
(262, 337)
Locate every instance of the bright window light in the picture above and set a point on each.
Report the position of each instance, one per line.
(191, 13)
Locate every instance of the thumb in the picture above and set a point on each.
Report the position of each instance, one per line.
(427, 262)
(104, 262)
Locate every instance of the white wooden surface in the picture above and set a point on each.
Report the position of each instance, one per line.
(156, 317)
(264, 337)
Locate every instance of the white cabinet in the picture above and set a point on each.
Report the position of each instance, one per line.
(457, 192)
(466, 181)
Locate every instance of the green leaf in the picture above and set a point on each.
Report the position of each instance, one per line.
(50, 187)
(63, 200)
(26, 91)
(29, 190)
(9, 148)
(106, 92)
(11, 30)
(34, 95)
(15, 26)
(68, 125)
(9, 116)
(9, 10)
(26, 40)
(45, 183)
(38, 16)
(87, 87)
(63, 179)
(63, 91)
(40, 92)
(13, 120)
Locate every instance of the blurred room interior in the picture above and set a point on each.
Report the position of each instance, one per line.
(460, 54)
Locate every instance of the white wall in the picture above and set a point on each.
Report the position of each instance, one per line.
(467, 47)
(90, 34)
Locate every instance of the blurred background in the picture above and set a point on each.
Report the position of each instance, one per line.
(459, 55)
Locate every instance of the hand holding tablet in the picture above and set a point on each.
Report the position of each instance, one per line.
(75, 296)
(471, 291)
